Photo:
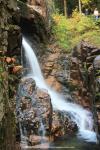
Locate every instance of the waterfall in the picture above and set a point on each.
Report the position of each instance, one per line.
(83, 118)
(42, 131)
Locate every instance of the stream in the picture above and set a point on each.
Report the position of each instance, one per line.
(74, 143)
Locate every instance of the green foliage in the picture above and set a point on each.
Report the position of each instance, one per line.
(69, 32)
(98, 22)
(60, 30)
(86, 2)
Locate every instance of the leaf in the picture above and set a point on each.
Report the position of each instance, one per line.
(17, 69)
(8, 59)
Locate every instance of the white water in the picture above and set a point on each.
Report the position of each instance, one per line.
(42, 131)
(80, 116)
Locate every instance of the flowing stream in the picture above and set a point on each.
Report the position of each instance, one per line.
(83, 118)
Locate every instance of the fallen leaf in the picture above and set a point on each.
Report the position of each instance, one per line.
(17, 69)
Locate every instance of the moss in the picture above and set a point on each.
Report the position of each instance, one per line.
(23, 8)
(12, 27)
(72, 86)
(97, 97)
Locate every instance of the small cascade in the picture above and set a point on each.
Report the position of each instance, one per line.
(23, 137)
(83, 118)
(42, 131)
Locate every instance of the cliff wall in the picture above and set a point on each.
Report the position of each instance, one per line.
(10, 52)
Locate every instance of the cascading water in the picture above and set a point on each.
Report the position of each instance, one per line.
(80, 116)
(42, 131)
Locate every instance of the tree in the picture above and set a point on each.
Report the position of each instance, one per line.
(80, 7)
(65, 8)
(86, 2)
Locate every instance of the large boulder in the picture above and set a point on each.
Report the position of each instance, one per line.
(36, 117)
(62, 124)
(34, 108)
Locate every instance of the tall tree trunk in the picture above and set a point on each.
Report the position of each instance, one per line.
(65, 8)
(80, 7)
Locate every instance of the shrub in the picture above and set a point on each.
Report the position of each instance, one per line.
(68, 32)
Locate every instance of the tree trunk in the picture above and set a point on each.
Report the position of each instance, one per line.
(65, 8)
(80, 7)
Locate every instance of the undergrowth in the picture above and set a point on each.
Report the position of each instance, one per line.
(69, 32)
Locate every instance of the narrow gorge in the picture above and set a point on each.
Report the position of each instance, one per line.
(49, 98)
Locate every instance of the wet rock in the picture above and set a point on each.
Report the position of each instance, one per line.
(74, 63)
(34, 5)
(62, 124)
(95, 52)
(86, 75)
(10, 81)
(14, 35)
(36, 116)
(75, 74)
(12, 4)
(41, 146)
(34, 18)
(35, 140)
(53, 82)
(90, 58)
(34, 109)
(97, 62)
(61, 78)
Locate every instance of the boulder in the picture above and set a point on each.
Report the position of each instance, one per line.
(62, 124)
(34, 107)
(97, 62)
(36, 117)
(90, 59)
(34, 140)
(95, 51)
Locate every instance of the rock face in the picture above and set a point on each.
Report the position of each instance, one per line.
(85, 66)
(56, 69)
(34, 19)
(96, 74)
(10, 50)
(35, 105)
(78, 73)
(37, 119)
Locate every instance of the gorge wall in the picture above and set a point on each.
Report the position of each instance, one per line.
(85, 76)
(10, 52)
(75, 75)
(11, 17)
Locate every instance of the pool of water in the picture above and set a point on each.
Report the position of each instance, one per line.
(73, 143)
